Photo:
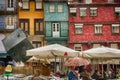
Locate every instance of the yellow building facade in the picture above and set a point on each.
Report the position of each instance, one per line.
(31, 20)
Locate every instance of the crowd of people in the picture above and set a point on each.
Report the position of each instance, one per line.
(96, 75)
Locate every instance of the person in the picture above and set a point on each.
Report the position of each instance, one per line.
(96, 75)
(73, 74)
(85, 75)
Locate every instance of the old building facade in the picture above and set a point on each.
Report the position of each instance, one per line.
(56, 21)
(8, 15)
(31, 17)
(94, 23)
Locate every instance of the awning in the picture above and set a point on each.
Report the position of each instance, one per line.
(3, 54)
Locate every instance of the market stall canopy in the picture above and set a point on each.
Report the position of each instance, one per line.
(13, 39)
(52, 51)
(35, 59)
(101, 52)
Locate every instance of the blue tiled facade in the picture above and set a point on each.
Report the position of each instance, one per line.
(1, 22)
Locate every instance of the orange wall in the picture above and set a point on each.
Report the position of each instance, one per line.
(31, 14)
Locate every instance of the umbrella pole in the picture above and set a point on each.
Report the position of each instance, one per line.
(55, 65)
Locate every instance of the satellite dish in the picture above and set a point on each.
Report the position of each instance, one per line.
(20, 4)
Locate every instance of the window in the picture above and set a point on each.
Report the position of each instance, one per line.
(36, 44)
(10, 22)
(24, 24)
(38, 27)
(25, 4)
(114, 45)
(110, 1)
(78, 28)
(96, 45)
(78, 47)
(56, 29)
(93, 11)
(72, 12)
(38, 4)
(82, 11)
(10, 6)
(88, 1)
(52, 8)
(10, 3)
(60, 8)
(115, 28)
(117, 12)
(98, 29)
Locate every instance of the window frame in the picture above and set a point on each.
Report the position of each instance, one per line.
(115, 26)
(117, 12)
(93, 12)
(37, 43)
(96, 45)
(83, 11)
(52, 8)
(78, 46)
(40, 30)
(60, 8)
(24, 28)
(78, 27)
(99, 29)
(73, 12)
(36, 2)
(27, 1)
(10, 22)
(114, 45)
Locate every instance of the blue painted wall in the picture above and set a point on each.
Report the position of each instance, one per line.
(1, 22)
(55, 16)
(2, 5)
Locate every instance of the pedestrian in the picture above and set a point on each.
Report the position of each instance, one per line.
(96, 75)
(73, 74)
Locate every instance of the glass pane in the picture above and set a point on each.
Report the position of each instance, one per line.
(26, 26)
(41, 26)
(60, 8)
(37, 26)
(22, 26)
(38, 5)
(25, 5)
(52, 7)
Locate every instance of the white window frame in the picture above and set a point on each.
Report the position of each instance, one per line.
(78, 28)
(88, 1)
(116, 28)
(83, 12)
(38, 4)
(73, 11)
(52, 8)
(10, 6)
(93, 11)
(25, 4)
(95, 45)
(10, 22)
(56, 29)
(117, 11)
(114, 45)
(78, 47)
(60, 8)
(110, 1)
(98, 28)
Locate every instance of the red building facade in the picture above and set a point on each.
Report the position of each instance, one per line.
(94, 23)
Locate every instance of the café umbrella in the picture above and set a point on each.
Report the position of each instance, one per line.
(52, 51)
(76, 61)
